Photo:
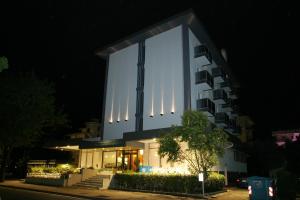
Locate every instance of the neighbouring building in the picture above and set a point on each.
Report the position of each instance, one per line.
(152, 77)
(281, 137)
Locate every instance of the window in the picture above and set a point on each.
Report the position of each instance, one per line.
(109, 159)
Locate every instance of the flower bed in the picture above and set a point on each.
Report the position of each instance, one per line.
(168, 183)
(55, 176)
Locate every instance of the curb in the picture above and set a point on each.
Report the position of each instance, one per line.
(207, 196)
(51, 192)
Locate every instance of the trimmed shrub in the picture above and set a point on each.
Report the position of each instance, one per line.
(168, 183)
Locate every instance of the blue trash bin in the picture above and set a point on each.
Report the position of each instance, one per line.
(260, 188)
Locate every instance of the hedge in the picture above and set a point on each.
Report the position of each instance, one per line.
(168, 183)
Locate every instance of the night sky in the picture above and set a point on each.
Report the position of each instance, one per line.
(57, 40)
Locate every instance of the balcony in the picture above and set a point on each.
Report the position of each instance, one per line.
(204, 79)
(218, 74)
(221, 119)
(220, 96)
(226, 85)
(231, 125)
(233, 128)
(202, 55)
(206, 106)
(228, 105)
(235, 110)
(233, 94)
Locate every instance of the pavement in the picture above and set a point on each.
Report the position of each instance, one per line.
(90, 194)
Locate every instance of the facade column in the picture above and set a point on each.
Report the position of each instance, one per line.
(140, 87)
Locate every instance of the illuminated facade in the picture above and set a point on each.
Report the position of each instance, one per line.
(152, 78)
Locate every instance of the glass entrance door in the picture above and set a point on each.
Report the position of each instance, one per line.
(130, 161)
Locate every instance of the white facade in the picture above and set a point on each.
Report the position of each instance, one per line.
(164, 85)
(163, 89)
(121, 93)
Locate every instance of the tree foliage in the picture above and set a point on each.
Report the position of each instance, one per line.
(203, 143)
(27, 108)
(3, 63)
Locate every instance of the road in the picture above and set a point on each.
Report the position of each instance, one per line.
(19, 194)
(233, 194)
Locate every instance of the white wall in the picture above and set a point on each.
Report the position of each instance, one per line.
(163, 88)
(228, 161)
(121, 93)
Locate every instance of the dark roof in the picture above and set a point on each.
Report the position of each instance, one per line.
(101, 144)
(188, 17)
(146, 134)
(62, 142)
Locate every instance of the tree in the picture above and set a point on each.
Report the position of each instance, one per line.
(27, 109)
(3, 63)
(203, 143)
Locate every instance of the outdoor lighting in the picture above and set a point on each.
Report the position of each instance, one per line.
(173, 99)
(249, 190)
(270, 191)
(118, 121)
(151, 115)
(110, 121)
(170, 170)
(141, 151)
(162, 104)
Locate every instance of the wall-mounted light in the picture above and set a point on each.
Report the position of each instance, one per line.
(110, 121)
(161, 114)
(151, 115)
(118, 121)
(172, 112)
(126, 120)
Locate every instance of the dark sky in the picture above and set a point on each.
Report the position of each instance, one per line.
(57, 40)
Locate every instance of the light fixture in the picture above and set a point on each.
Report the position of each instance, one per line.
(161, 114)
(151, 115)
(141, 151)
(126, 120)
(118, 121)
(172, 112)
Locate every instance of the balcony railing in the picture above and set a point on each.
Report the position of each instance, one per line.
(233, 94)
(221, 118)
(202, 50)
(235, 110)
(203, 77)
(206, 105)
(226, 85)
(232, 124)
(229, 103)
(218, 74)
(220, 95)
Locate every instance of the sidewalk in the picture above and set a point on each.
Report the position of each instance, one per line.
(92, 194)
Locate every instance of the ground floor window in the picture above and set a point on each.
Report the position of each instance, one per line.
(122, 159)
(109, 159)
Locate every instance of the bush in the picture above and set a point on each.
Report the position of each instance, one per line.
(60, 169)
(168, 183)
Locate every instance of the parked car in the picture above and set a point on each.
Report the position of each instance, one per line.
(241, 182)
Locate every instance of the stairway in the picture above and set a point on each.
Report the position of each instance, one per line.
(95, 182)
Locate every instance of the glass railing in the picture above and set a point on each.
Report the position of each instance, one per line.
(221, 117)
(206, 105)
(202, 50)
(220, 94)
(204, 77)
